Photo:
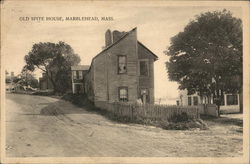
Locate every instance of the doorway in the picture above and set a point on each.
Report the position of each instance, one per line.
(145, 95)
(78, 88)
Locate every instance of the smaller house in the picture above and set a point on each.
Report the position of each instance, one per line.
(78, 73)
(230, 103)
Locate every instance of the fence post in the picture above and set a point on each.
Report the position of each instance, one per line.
(132, 112)
(198, 114)
(151, 111)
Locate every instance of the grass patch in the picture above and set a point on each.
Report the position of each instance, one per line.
(224, 120)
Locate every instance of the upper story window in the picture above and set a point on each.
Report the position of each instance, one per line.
(122, 64)
(232, 100)
(144, 68)
(123, 94)
(189, 101)
(77, 74)
(80, 74)
(74, 74)
(195, 100)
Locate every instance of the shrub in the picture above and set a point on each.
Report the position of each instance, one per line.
(183, 122)
(43, 93)
(177, 122)
(183, 117)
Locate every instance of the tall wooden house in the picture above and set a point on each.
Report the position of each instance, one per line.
(122, 72)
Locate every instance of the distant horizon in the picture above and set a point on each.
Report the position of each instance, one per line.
(155, 27)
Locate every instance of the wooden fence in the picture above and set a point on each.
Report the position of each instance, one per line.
(151, 111)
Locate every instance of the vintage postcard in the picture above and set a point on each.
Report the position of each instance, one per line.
(124, 81)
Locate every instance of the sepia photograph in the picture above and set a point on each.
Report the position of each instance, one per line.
(124, 82)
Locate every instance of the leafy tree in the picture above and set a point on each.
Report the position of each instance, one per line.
(26, 78)
(54, 59)
(207, 56)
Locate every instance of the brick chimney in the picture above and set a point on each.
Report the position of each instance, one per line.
(117, 35)
(111, 37)
(108, 38)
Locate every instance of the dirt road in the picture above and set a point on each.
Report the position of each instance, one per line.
(46, 127)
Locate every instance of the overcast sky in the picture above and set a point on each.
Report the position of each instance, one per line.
(155, 26)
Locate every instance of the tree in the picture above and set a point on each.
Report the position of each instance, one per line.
(26, 78)
(54, 59)
(207, 56)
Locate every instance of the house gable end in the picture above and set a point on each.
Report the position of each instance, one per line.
(145, 53)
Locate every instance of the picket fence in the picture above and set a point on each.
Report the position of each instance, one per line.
(151, 111)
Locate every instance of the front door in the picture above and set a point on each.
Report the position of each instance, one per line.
(78, 88)
(144, 96)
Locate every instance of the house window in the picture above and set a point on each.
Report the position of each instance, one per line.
(195, 100)
(74, 74)
(189, 101)
(144, 68)
(122, 64)
(232, 100)
(80, 74)
(123, 94)
(77, 75)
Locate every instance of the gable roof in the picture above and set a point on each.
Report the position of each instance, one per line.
(155, 56)
(108, 47)
(80, 67)
(111, 45)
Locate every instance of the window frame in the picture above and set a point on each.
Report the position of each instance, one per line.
(118, 56)
(74, 74)
(119, 96)
(147, 65)
(195, 97)
(237, 102)
(80, 74)
(77, 74)
(189, 100)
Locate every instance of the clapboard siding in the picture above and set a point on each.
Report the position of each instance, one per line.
(103, 73)
(107, 80)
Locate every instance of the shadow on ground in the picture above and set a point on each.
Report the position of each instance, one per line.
(224, 120)
(64, 107)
